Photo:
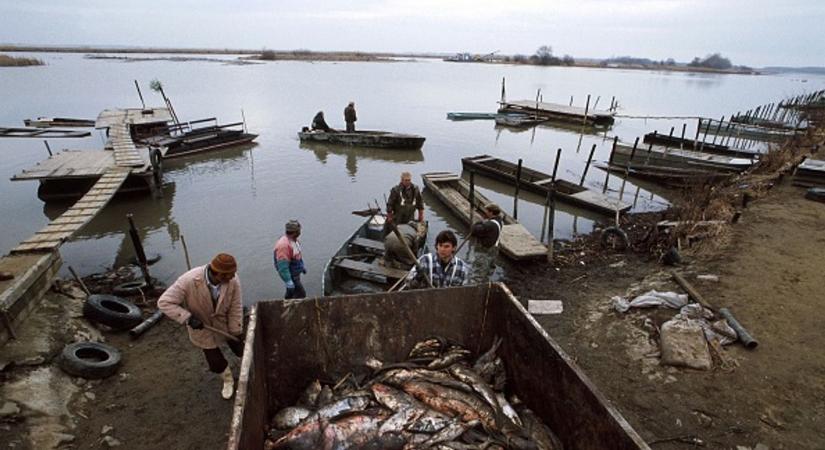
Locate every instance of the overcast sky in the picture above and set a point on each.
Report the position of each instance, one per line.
(752, 32)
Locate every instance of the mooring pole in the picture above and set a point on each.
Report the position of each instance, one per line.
(698, 128)
(139, 252)
(719, 128)
(650, 150)
(518, 186)
(682, 141)
(137, 86)
(472, 196)
(587, 166)
(48, 149)
(586, 110)
(627, 168)
(609, 163)
(185, 252)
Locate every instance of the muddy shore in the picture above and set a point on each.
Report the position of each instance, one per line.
(768, 266)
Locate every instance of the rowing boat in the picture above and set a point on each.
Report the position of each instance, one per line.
(382, 139)
(516, 242)
(624, 154)
(541, 183)
(357, 267)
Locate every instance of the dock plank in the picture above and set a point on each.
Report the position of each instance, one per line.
(358, 266)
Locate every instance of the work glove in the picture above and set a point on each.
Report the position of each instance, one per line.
(195, 323)
(304, 270)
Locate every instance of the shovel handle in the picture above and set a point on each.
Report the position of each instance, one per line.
(221, 332)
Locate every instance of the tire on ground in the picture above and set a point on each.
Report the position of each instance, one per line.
(112, 311)
(91, 360)
(130, 288)
(615, 238)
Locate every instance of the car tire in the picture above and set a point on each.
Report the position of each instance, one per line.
(112, 311)
(91, 360)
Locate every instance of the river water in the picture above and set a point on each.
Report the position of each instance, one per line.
(237, 200)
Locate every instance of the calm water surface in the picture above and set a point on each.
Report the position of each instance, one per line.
(237, 200)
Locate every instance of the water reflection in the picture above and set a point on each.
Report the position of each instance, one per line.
(353, 153)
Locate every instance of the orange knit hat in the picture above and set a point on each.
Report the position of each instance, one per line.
(223, 263)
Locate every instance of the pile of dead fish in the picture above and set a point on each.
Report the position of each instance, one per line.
(437, 399)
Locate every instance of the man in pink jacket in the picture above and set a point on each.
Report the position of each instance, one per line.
(210, 295)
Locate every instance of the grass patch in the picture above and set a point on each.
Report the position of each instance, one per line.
(18, 61)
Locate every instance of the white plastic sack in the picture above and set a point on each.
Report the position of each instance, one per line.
(651, 299)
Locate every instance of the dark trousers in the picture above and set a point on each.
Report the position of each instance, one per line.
(350, 127)
(214, 357)
(299, 291)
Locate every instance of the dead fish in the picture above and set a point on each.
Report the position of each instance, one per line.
(426, 420)
(309, 397)
(489, 355)
(472, 379)
(373, 363)
(324, 397)
(449, 358)
(348, 431)
(344, 405)
(397, 377)
(539, 433)
(397, 422)
(430, 347)
(290, 417)
(450, 432)
(451, 402)
(508, 410)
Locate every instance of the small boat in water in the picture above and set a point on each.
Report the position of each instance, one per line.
(666, 176)
(699, 146)
(380, 139)
(471, 116)
(516, 242)
(518, 120)
(657, 156)
(65, 122)
(194, 137)
(358, 266)
(534, 181)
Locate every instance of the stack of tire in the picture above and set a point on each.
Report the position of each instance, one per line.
(94, 360)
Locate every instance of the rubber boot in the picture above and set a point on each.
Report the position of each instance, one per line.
(228, 383)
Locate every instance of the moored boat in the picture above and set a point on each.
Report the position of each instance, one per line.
(666, 176)
(541, 183)
(184, 139)
(65, 122)
(518, 120)
(670, 142)
(624, 154)
(471, 116)
(382, 139)
(358, 268)
(516, 242)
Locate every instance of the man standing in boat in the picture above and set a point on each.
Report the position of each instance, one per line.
(443, 268)
(209, 295)
(405, 199)
(350, 117)
(289, 262)
(318, 122)
(487, 235)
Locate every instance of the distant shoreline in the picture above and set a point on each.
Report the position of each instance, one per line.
(342, 56)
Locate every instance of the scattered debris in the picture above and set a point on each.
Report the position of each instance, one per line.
(684, 345)
(707, 277)
(545, 306)
(651, 299)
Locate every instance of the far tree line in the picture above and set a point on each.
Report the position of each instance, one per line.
(544, 57)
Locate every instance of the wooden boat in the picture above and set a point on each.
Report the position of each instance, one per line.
(184, 139)
(624, 154)
(357, 267)
(558, 112)
(471, 116)
(736, 130)
(760, 122)
(381, 139)
(534, 181)
(41, 133)
(67, 122)
(675, 142)
(666, 176)
(518, 120)
(290, 343)
(516, 242)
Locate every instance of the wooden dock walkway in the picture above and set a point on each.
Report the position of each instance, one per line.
(555, 111)
(34, 262)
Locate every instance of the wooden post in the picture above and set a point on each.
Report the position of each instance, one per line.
(185, 252)
(718, 129)
(471, 197)
(137, 86)
(503, 95)
(48, 149)
(139, 252)
(518, 186)
(79, 281)
(650, 151)
(586, 110)
(612, 103)
(571, 100)
(627, 168)
(682, 144)
(243, 117)
(698, 128)
(609, 164)
(587, 166)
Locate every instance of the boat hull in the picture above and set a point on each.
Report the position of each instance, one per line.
(375, 139)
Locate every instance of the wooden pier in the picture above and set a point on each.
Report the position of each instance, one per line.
(34, 262)
(558, 112)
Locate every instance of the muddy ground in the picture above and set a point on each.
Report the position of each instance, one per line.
(770, 269)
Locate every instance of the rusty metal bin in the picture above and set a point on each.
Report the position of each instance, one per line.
(289, 343)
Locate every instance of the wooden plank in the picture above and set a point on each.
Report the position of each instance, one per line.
(358, 266)
(370, 244)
